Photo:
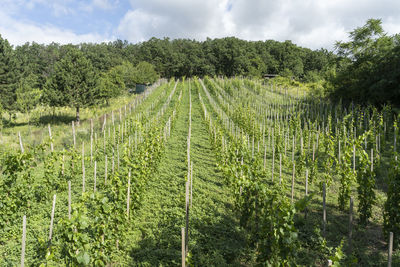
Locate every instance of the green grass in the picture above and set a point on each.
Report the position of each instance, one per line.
(215, 238)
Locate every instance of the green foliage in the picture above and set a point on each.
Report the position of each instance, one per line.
(28, 93)
(16, 186)
(90, 236)
(338, 256)
(369, 66)
(8, 76)
(366, 186)
(72, 83)
(144, 73)
(391, 214)
(111, 83)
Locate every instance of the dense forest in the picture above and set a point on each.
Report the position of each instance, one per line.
(365, 69)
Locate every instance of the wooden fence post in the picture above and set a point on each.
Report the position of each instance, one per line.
(324, 207)
(128, 195)
(350, 224)
(69, 199)
(293, 174)
(23, 241)
(183, 247)
(52, 218)
(390, 249)
(20, 142)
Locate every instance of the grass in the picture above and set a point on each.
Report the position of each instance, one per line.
(215, 238)
(33, 126)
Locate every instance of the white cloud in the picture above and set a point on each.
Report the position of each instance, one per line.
(175, 19)
(310, 23)
(20, 32)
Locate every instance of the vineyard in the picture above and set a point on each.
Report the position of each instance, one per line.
(207, 172)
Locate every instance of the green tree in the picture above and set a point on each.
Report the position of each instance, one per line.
(369, 66)
(145, 73)
(8, 77)
(73, 82)
(28, 93)
(111, 83)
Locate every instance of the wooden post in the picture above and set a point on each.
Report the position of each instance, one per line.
(354, 158)
(23, 241)
(95, 176)
(113, 163)
(91, 127)
(293, 148)
(187, 216)
(191, 183)
(390, 249)
(128, 195)
(293, 174)
(324, 207)
(117, 157)
(265, 155)
(83, 169)
(69, 199)
(350, 224)
(183, 247)
(62, 165)
(372, 160)
(73, 133)
(91, 149)
(280, 169)
(20, 142)
(305, 210)
(52, 218)
(105, 170)
(51, 139)
(313, 152)
(273, 163)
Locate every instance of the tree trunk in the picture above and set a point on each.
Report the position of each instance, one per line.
(77, 116)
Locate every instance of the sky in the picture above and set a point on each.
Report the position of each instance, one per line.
(308, 23)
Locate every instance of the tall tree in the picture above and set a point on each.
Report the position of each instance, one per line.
(144, 73)
(369, 71)
(73, 82)
(8, 77)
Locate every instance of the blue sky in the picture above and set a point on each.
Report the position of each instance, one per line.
(309, 23)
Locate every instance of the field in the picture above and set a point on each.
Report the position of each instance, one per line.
(253, 172)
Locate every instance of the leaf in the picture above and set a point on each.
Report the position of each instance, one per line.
(83, 258)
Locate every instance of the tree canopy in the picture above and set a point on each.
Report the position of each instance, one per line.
(73, 82)
(369, 71)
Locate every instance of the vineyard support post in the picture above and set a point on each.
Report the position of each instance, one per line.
(52, 218)
(83, 167)
(128, 194)
(73, 133)
(324, 208)
(51, 139)
(390, 249)
(95, 176)
(350, 225)
(293, 174)
(105, 170)
(20, 142)
(306, 189)
(280, 169)
(23, 241)
(69, 199)
(183, 247)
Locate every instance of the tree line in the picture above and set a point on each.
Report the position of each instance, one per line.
(368, 69)
(365, 69)
(88, 73)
